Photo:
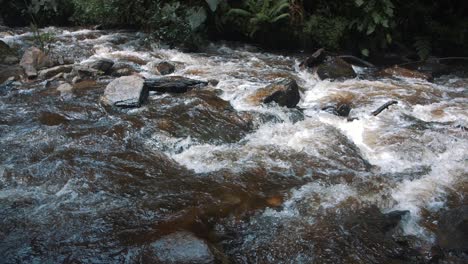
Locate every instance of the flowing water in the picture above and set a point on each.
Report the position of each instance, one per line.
(83, 183)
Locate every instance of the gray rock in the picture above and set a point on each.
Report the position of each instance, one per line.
(33, 60)
(103, 65)
(48, 73)
(128, 91)
(335, 68)
(8, 71)
(173, 84)
(179, 247)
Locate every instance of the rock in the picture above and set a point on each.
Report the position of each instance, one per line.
(284, 93)
(164, 68)
(33, 60)
(335, 68)
(65, 88)
(7, 55)
(173, 84)
(102, 65)
(180, 247)
(314, 60)
(452, 232)
(121, 69)
(48, 73)
(200, 114)
(52, 119)
(83, 72)
(341, 110)
(8, 71)
(397, 71)
(128, 91)
(213, 82)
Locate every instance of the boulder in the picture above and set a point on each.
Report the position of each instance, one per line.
(164, 68)
(122, 69)
(452, 232)
(335, 68)
(51, 72)
(397, 71)
(173, 84)
(284, 93)
(180, 247)
(102, 65)
(8, 71)
(33, 60)
(128, 91)
(7, 55)
(314, 60)
(65, 89)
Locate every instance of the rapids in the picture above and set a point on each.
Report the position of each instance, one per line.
(83, 183)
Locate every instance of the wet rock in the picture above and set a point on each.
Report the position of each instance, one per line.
(51, 72)
(335, 68)
(200, 114)
(65, 90)
(341, 110)
(128, 91)
(164, 68)
(314, 60)
(102, 65)
(8, 71)
(33, 60)
(213, 82)
(452, 232)
(284, 93)
(397, 71)
(173, 84)
(52, 119)
(7, 54)
(180, 247)
(120, 69)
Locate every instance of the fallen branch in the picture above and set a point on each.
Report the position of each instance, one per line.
(383, 107)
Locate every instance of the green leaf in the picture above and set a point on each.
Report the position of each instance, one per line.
(213, 4)
(365, 52)
(239, 12)
(196, 17)
(389, 38)
(370, 29)
(359, 2)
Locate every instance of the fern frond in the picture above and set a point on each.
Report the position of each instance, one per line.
(239, 12)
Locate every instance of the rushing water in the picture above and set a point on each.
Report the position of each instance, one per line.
(83, 183)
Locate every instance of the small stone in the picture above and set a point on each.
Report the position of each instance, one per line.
(335, 68)
(284, 93)
(213, 82)
(48, 73)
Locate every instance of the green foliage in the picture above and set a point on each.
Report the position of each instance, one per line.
(423, 47)
(258, 15)
(327, 32)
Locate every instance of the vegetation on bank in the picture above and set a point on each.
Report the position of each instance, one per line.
(416, 28)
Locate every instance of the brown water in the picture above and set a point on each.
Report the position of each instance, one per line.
(83, 183)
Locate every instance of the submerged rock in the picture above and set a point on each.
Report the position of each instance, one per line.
(173, 84)
(180, 247)
(452, 233)
(128, 91)
(335, 68)
(7, 54)
(34, 59)
(200, 114)
(284, 93)
(397, 71)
